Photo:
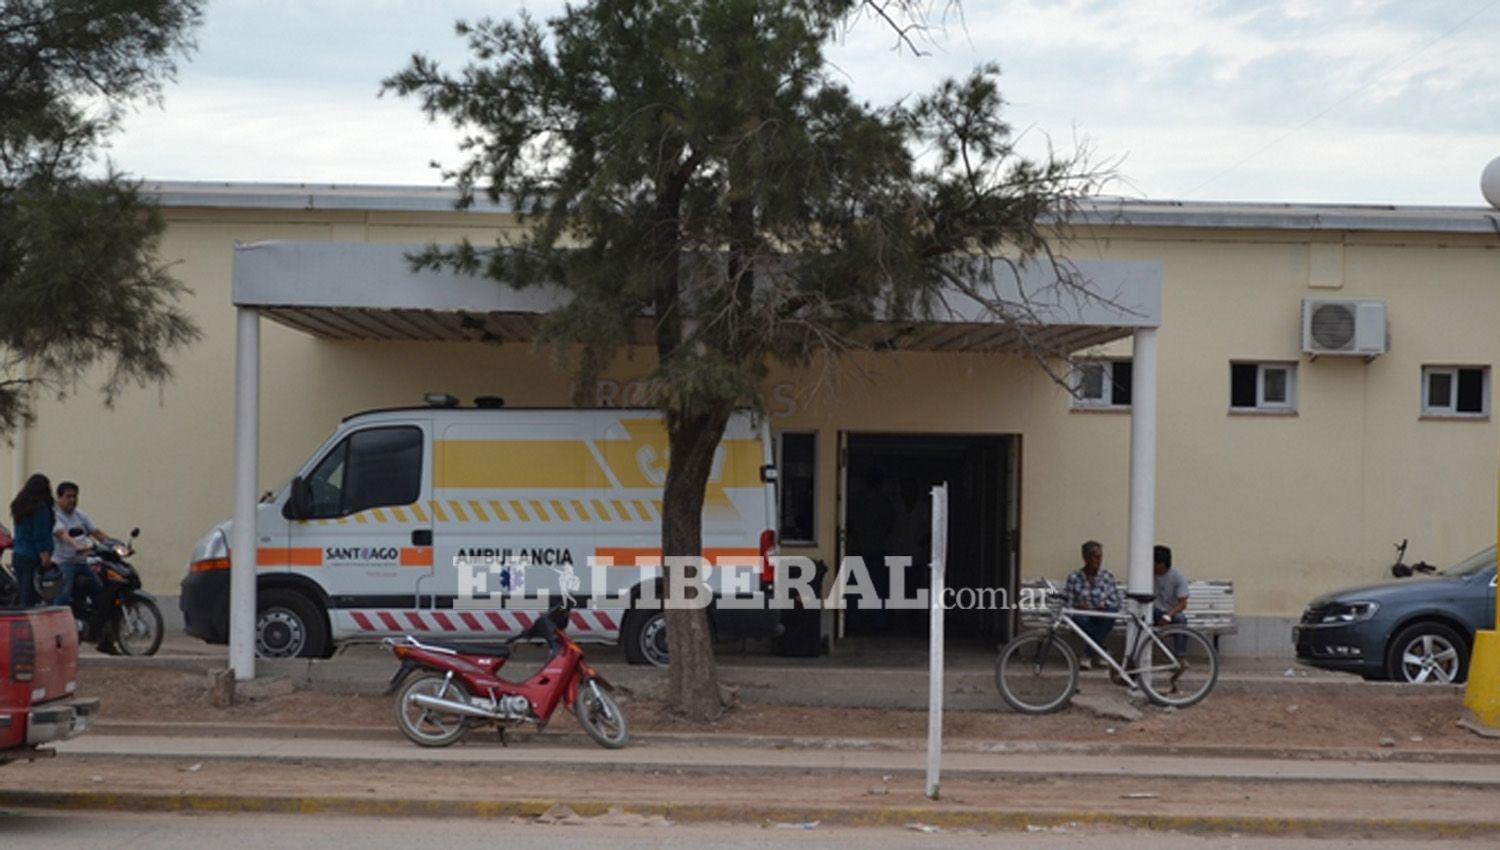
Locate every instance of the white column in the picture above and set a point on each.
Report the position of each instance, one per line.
(18, 461)
(935, 638)
(18, 458)
(243, 540)
(1142, 460)
(1142, 480)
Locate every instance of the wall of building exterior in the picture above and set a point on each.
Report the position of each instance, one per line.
(1286, 506)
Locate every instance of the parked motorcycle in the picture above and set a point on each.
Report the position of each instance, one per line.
(1402, 570)
(450, 688)
(127, 620)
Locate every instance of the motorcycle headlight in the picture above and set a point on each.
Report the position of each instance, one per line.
(122, 551)
(1350, 612)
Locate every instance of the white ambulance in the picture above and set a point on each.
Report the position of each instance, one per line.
(378, 533)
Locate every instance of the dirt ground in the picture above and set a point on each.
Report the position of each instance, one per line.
(818, 796)
(1316, 719)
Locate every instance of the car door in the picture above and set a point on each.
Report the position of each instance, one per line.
(368, 532)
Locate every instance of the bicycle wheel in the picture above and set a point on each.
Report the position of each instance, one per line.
(1187, 679)
(1037, 673)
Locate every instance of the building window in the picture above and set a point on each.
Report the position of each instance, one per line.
(1102, 384)
(1462, 391)
(1270, 387)
(796, 489)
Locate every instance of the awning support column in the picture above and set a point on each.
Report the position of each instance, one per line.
(242, 543)
(1140, 581)
(1142, 461)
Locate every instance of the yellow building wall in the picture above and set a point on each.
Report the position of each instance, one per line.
(1286, 506)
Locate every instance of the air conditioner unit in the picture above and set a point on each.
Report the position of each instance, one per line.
(1346, 326)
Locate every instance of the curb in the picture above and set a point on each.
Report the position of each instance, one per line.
(672, 766)
(783, 742)
(942, 818)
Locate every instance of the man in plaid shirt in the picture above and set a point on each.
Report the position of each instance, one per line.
(1093, 588)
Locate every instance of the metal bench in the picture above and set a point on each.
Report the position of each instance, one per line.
(1210, 607)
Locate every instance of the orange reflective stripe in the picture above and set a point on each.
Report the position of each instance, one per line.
(296, 556)
(629, 556)
(420, 556)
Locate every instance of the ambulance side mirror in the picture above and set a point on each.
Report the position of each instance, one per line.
(299, 504)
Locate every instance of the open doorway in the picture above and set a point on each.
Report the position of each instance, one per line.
(886, 498)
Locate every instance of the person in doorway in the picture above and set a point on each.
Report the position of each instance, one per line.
(74, 534)
(1093, 588)
(1171, 594)
(31, 510)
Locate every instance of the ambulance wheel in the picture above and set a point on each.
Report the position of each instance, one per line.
(289, 625)
(645, 638)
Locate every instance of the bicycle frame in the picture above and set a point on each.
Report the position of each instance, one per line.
(1143, 633)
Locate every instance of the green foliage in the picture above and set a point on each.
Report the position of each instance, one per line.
(694, 175)
(80, 282)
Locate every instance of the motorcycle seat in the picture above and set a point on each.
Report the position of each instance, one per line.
(493, 650)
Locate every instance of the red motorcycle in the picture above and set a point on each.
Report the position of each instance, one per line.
(457, 686)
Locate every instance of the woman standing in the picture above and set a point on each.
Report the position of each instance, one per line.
(32, 512)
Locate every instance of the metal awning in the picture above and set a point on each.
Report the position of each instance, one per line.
(368, 291)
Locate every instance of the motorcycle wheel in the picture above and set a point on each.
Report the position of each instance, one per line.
(136, 628)
(424, 726)
(601, 717)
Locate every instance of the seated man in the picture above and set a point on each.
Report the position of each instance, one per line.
(75, 534)
(1171, 594)
(1093, 588)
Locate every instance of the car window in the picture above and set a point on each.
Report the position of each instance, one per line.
(385, 468)
(327, 483)
(1475, 563)
(374, 468)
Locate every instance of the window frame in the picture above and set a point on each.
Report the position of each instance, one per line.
(1282, 408)
(345, 445)
(1451, 411)
(1109, 384)
(781, 488)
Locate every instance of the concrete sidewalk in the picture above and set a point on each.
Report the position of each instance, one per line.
(828, 681)
(567, 736)
(658, 757)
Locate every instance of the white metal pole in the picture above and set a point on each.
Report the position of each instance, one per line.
(18, 459)
(242, 543)
(1142, 470)
(935, 637)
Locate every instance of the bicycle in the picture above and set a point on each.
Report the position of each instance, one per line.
(1037, 671)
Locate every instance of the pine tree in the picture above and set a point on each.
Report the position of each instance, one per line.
(81, 285)
(697, 165)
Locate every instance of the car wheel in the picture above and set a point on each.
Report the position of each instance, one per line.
(289, 625)
(645, 638)
(1428, 653)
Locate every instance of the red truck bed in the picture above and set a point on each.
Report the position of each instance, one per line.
(38, 675)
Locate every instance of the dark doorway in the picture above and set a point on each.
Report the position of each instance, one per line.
(887, 484)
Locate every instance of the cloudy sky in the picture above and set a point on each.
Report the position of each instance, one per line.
(1365, 101)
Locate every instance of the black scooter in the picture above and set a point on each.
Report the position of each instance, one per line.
(123, 619)
(1402, 570)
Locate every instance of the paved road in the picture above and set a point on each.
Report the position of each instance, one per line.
(29, 830)
(648, 756)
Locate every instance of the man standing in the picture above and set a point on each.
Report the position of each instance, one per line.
(73, 529)
(1093, 588)
(1171, 594)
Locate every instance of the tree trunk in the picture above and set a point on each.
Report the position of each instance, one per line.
(694, 680)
